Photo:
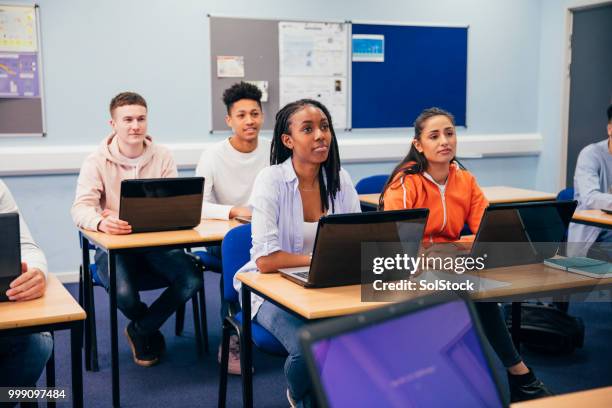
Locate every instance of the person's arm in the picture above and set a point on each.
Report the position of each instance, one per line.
(281, 259)
(86, 211)
(399, 194)
(478, 204)
(266, 251)
(350, 197)
(211, 209)
(586, 181)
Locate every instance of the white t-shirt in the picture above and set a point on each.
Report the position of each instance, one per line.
(229, 176)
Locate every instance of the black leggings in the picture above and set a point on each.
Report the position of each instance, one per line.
(497, 333)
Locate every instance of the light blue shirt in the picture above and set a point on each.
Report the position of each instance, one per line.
(278, 215)
(592, 182)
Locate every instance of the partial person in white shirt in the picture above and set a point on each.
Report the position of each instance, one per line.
(304, 183)
(229, 169)
(22, 358)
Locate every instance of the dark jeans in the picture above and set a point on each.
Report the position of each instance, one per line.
(497, 332)
(22, 358)
(151, 269)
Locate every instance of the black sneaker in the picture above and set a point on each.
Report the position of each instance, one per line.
(157, 342)
(526, 387)
(142, 351)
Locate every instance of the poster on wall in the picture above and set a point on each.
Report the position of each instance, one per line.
(230, 66)
(19, 75)
(368, 48)
(313, 61)
(17, 29)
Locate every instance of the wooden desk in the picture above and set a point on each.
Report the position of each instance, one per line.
(494, 194)
(595, 218)
(526, 280)
(56, 310)
(209, 232)
(597, 398)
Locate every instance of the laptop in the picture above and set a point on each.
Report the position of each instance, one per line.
(161, 204)
(10, 252)
(336, 258)
(532, 232)
(428, 352)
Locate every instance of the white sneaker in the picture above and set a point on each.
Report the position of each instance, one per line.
(292, 403)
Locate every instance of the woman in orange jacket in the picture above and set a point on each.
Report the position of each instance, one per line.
(430, 177)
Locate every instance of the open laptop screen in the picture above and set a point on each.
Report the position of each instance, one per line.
(430, 358)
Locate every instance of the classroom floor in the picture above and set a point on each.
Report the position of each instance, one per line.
(183, 379)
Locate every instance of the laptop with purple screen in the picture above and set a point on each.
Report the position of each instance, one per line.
(424, 353)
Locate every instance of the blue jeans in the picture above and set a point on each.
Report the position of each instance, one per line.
(151, 269)
(285, 327)
(22, 358)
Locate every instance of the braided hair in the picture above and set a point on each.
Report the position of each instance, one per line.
(417, 163)
(329, 183)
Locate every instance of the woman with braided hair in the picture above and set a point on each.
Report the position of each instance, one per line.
(303, 183)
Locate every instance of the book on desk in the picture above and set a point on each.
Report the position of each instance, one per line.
(593, 268)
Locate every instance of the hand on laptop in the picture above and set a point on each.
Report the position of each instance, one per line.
(240, 212)
(30, 285)
(111, 224)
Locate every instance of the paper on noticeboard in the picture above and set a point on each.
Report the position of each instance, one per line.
(18, 29)
(230, 66)
(314, 64)
(263, 87)
(368, 48)
(331, 92)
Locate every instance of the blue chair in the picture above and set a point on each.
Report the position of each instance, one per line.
(566, 194)
(89, 278)
(235, 250)
(371, 184)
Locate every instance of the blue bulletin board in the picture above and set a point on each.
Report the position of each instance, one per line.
(422, 66)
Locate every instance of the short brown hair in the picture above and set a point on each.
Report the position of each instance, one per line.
(127, 98)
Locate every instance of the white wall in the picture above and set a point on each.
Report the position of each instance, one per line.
(93, 50)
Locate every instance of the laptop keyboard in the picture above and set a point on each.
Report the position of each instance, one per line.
(303, 275)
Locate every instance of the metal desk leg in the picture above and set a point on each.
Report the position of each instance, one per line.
(113, 326)
(50, 371)
(76, 342)
(516, 325)
(246, 356)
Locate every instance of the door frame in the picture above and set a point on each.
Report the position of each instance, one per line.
(565, 96)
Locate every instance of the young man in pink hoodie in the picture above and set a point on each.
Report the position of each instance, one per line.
(129, 153)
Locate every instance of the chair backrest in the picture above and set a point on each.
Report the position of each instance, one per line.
(371, 184)
(566, 194)
(235, 252)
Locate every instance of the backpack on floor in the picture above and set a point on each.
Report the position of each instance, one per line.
(548, 329)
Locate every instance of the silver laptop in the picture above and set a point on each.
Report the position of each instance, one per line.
(336, 258)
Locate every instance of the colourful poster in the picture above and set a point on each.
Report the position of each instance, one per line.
(18, 29)
(19, 75)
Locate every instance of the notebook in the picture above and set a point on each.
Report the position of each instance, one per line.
(424, 353)
(593, 268)
(161, 204)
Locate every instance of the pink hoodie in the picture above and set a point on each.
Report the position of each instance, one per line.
(99, 182)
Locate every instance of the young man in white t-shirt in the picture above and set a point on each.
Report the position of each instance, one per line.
(229, 169)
